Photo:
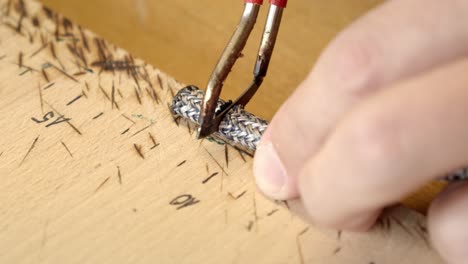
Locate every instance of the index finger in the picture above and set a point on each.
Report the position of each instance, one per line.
(394, 41)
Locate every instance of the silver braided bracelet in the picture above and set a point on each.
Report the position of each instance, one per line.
(239, 127)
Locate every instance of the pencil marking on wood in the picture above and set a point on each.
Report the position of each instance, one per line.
(143, 129)
(59, 120)
(84, 39)
(75, 99)
(64, 73)
(44, 74)
(52, 50)
(49, 85)
(114, 65)
(155, 146)
(39, 50)
(406, 229)
(299, 245)
(138, 150)
(66, 120)
(98, 115)
(148, 81)
(67, 149)
(79, 73)
(210, 177)
(29, 150)
(57, 27)
(40, 98)
(160, 82)
(119, 175)
(101, 53)
(272, 212)
(67, 24)
(384, 223)
(43, 38)
(183, 201)
(35, 21)
(102, 184)
(128, 118)
(8, 7)
(19, 26)
(303, 231)
(24, 72)
(20, 60)
(226, 155)
(336, 251)
(45, 118)
(422, 232)
(150, 95)
(153, 140)
(120, 94)
(137, 94)
(217, 163)
(105, 93)
(238, 196)
(48, 12)
(134, 76)
(241, 155)
(250, 225)
(11, 26)
(113, 96)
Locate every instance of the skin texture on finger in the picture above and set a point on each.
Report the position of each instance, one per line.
(387, 147)
(448, 217)
(394, 41)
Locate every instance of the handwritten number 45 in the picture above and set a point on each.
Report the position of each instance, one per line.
(48, 116)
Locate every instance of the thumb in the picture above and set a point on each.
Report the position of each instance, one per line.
(356, 64)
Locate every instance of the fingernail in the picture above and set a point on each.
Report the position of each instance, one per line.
(269, 171)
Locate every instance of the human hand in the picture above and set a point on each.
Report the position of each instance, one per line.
(383, 112)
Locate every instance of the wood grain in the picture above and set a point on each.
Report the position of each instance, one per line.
(94, 169)
(185, 38)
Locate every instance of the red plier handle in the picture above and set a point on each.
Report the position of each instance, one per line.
(209, 120)
(280, 3)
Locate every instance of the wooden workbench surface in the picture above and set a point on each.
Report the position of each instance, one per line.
(94, 168)
(185, 39)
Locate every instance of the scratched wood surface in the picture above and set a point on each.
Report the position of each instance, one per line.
(185, 39)
(94, 169)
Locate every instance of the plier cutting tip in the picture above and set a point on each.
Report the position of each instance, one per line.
(210, 119)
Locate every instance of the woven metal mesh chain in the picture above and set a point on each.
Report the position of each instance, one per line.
(239, 127)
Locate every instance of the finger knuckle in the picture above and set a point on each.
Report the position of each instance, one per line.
(375, 140)
(354, 62)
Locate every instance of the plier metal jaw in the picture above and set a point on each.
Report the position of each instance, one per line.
(210, 118)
